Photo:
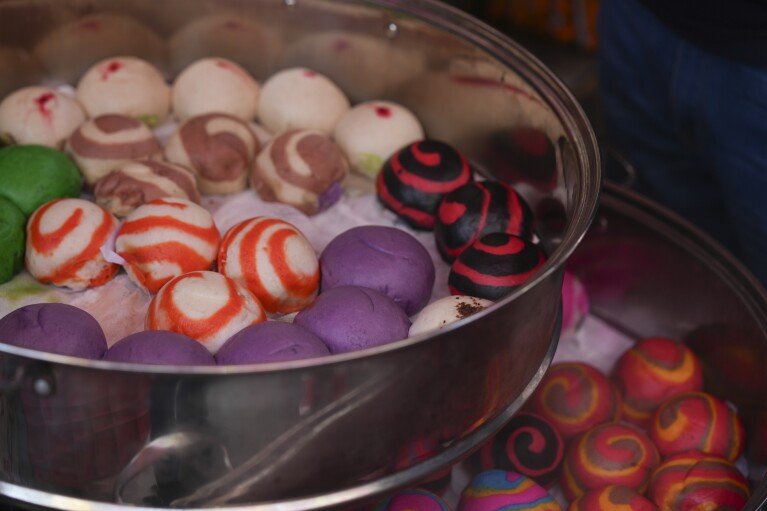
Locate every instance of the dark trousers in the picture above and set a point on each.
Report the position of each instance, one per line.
(694, 125)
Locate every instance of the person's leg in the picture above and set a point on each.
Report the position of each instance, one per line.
(640, 60)
(733, 113)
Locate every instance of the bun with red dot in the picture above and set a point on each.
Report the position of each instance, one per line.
(127, 86)
(39, 116)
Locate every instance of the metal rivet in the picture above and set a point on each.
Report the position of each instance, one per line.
(42, 387)
(290, 3)
(392, 29)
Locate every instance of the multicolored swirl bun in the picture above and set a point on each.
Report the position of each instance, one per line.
(528, 444)
(302, 168)
(693, 480)
(136, 183)
(697, 421)
(206, 306)
(39, 115)
(654, 370)
(612, 498)
(101, 144)
(64, 240)
(575, 397)
(413, 500)
(497, 490)
(414, 180)
(494, 266)
(606, 455)
(274, 261)
(166, 238)
(219, 148)
(477, 209)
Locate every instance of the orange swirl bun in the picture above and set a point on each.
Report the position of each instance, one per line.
(606, 455)
(693, 480)
(166, 238)
(612, 498)
(574, 397)
(654, 370)
(697, 421)
(64, 240)
(205, 306)
(274, 261)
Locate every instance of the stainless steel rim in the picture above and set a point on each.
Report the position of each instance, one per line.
(450, 456)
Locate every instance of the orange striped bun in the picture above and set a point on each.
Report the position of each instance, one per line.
(274, 261)
(205, 306)
(166, 238)
(64, 240)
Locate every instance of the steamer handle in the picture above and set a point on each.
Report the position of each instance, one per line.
(161, 448)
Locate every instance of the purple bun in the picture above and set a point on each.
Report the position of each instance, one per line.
(160, 347)
(55, 328)
(272, 341)
(351, 318)
(386, 259)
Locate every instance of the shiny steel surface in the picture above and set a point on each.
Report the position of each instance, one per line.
(304, 435)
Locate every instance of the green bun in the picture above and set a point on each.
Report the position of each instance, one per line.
(12, 227)
(32, 175)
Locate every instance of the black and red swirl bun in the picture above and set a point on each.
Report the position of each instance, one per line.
(494, 266)
(476, 209)
(413, 181)
(528, 444)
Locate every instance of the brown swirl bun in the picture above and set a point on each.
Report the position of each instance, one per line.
(135, 183)
(101, 144)
(302, 168)
(218, 148)
(126, 86)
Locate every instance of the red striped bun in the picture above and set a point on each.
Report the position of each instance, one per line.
(205, 306)
(166, 238)
(64, 240)
(274, 261)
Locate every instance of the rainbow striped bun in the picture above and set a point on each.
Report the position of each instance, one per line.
(497, 490)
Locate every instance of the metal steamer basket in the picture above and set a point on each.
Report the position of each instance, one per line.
(81, 434)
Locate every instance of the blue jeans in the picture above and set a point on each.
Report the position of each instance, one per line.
(693, 124)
